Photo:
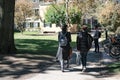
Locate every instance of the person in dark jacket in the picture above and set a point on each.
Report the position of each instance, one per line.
(63, 52)
(84, 42)
(96, 37)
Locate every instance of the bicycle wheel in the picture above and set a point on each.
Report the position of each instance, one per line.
(115, 52)
(106, 48)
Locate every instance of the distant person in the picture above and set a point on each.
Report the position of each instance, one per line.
(64, 49)
(106, 33)
(96, 36)
(84, 43)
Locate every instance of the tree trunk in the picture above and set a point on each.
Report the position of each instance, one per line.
(7, 27)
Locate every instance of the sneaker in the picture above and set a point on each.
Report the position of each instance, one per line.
(62, 69)
(83, 69)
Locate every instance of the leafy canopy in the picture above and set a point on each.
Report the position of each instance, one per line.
(55, 14)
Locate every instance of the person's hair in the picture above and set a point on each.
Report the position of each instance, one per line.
(64, 27)
(84, 27)
(96, 26)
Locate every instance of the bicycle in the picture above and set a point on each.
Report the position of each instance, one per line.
(112, 46)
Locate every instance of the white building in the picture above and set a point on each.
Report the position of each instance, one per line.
(37, 22)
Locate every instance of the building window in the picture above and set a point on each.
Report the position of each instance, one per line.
(38, 24)
(31, 24)
(47, 25)
(35, 0)
(27, 24)
(36, 12)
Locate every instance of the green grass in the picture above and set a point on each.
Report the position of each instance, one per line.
(114, 67)
(35, 43)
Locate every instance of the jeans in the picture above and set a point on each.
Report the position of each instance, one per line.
(96, 45)
(83, 58)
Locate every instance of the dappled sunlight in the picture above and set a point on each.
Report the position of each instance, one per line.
(36, 55)
(48, 47)
(21, 65)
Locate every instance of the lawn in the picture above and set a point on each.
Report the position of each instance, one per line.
(114, 67)
(36, 43)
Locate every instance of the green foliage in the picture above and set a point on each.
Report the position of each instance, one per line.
(75, 17)
(55, 14)
(114, 68)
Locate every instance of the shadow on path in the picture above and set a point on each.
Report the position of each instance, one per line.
(34, 56)
(19, 66)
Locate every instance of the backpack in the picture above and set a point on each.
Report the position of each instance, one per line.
(80, 35)
(63, 39)
(90, 40)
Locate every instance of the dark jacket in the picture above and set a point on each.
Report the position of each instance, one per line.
(84, 41)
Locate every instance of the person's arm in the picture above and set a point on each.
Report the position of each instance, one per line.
(59, 37)
(78, 42)
(70, 37)
(91, 37)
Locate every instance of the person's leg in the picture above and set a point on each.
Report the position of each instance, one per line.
(84, 61)
(68, 63)
(97, 45)
(95, 42)
(81, 58)
(59, 52)
(62, 65)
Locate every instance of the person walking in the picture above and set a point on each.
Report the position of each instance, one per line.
(84, 43)
(96, 36)
(106, 33)
(64, 48)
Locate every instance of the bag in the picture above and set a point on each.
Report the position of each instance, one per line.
(70, 52)
(63, 39)
(80, 35)
(90, 40)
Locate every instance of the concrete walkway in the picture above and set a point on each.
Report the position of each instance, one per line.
(95, 69)
(43, 67)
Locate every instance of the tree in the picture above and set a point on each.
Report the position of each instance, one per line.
(23, 9)
(55, 14)
(7, 26)
(84, 9)
(109, 14)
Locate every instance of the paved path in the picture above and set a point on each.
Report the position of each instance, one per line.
(43, 67)
(95, 69)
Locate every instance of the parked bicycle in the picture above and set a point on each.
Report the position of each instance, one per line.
(112, 46)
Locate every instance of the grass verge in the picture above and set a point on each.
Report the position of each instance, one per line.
(35, 43)
(114, 67)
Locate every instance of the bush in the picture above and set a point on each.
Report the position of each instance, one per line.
(118, 30)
